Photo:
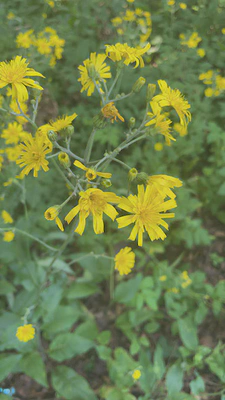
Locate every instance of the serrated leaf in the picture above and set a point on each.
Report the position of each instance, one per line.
(33, 366)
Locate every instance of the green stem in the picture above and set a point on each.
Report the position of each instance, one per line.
(69, 152)
(115, 81)
(122, 97)
(122, 163)
(62, 174)
(25, 116)
(30, 236)
(87, 152)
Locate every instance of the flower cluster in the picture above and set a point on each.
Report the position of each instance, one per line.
(190, 41)
(214, 81)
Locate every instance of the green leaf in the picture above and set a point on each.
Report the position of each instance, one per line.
(68, 345)
(6, 287)
(62, 319)
(188, 333)
(70, 385)
(33, 366)
(197, 386)
(79, 290)
(159, 365)
(88, 330)
(181, 396)
(104, 337)
(5, 397)
(126, 291)
(216, 362)
(174, 379)
(7, 364)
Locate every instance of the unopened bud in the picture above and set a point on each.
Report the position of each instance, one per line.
(132, 121)
(52, 136)
(64, 159)
(138, 84)
(70, 130)
(142, 178)
(150, 91)
(106, 183)
(132, 174)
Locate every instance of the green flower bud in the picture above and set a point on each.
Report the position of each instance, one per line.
(70, 130)
(132, 174)
(142, 178)
(52, 136)
(99, 121)
(138, 84)
(132, 121)
(150, 91)
(64, 159)
(106, 183)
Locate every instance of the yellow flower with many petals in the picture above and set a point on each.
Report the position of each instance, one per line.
(25, 40)
(94, 69)
(181, 129)
(160, 121)
(95, 202)
(91, 173)
(127, 54)
(32, 155)
(111, 112)
(25, 333)
(59, 125)
(174, 98)
(51, 214)
(8, 236)
(192, 42)
(17, 73)
(6, 217)
(124, 261)
(164, 183)
(14, 133)
(147, 210)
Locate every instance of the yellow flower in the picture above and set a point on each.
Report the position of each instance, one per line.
(116, 21)
(43, 45)
(206, 76)
(111, 112)
(58, 125)
(174, 98)
(223, 31)
(170, 2)
(192, 41)
(129, 16)
(95, 202)
(14, 107)
(1, 162)
(32, 155)
(201, 53)
(10, 15)
(160, 122)
(25, 333)
(127, 54)
(163, 278)
(51, 214)
(14, 133)
(173, 290)
(8, 236)
(183, 6)
(6, 217)
(25, 40)
(13, 153)
(51, 3)
(185, 277)
(181, 129)
(130, 1)
(158, 146)
(209, 92)
(136, 374)
(163, 183)
(16, 73)
(94, 68)
(147, 211)
(124, 261)
(90, 172)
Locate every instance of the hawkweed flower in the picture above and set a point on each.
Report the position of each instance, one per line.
(59, 125)
(17, 73)
(6, 217)
(26, 39)
(96, 202)
(32, 155)
(124, 261)
(25, 333)
(127, 54)
(94, 69)
(160, 121)
(109, 111)
(147, 210)
(8, 236)
(51, 214)
(136, 374)
(91, 174)
(163, 184)
(14, 133)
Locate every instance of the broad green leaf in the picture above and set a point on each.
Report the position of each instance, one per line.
(6, 287)
(188, 333)
(216, 362)
(62, 319)
(125, 291)
(32, 365)
(159, 364)
(68, 345)
(174, 379)
(7, 364)
(79, 290)
(197, 385)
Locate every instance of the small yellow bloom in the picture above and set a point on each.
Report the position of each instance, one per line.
(25, 333)
(181, 129)
(51, 3)
(124, 261)
(127, 54)
(10, 15)
(26, 39)
(170, 2)
(209, 92)
(183, 6)
(111, 112)
(91, 173)
(7, 217)
(163, 278)
(223, 31)
(160, 121)
(186, 283)
(201, 53)
(158, 146)
(174, 290)
(93, 69)
(51, 214)
(136, 374)
(44, 15)
(8, 236)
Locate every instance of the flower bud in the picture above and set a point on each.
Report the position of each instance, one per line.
(52, 136)
(99, 121)
(106, 183)
(142, 178)
(131, 122)
(64, 159)
(132, 174)
(69, 130)
(150, 91)
(138, 84)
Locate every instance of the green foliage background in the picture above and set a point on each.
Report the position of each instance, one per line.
(87, 345)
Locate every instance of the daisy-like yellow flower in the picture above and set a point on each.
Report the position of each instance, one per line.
(124, 261)
(51, 214)
(201, 53)
(173, 98)
(16, 73)
(94, 68)
(192, 42)
(8, 236)
(136, 374)
(147, 210)
(13, 153)
(25, 40)
(95, 202)
(160, 121)
(32, 155)
(181, 129)
(91, 173)
(25, 333)
(127, 54)
(164, 183)
(14, 133)
(6, 217)
(158, 146)
(59, 125)
(111, 112)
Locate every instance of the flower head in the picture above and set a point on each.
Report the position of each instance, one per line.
(58, 125)
(91, 173)
(136, 374)
(25, 40)
(164, 183)
(94, 69)
(25, 333)
(6, 217)
(147, 210)
(32, 155)
(8, 236)
(127, 54)
(16, 73)
(14, 133)
(160, 121)
(124, 260)
(111, 112)
(51, 214)
(95, 202)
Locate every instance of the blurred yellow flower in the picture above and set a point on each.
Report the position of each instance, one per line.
(14, 133)
(136, 374)
(201, 53)
(10, 15)
(192, 41)
(209, 92)
(181, 129)
(158, 146)
(94, 69)
(160, 121)
(25, 333)
(6, 217)
(26, 39)
(223, 31)
(8, 236)
(124, 260)
(163, 278)
(170, 2)
(183, 6)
